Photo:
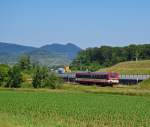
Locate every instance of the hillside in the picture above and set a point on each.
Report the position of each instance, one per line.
(14, 49)
(106, 56)
(46, 57)
(130, 67)
(54, 54)
(70, 50)
(9, 53)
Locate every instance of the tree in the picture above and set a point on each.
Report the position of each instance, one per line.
(24, 62)
(52, 81)
(3, 74)
(43, 78)
(14, 77)
(37, 77)
(107, 56)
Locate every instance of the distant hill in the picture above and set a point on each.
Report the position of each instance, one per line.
(9, 53)
(54, 54)
(70, 50)
(14, 49)
(46, 57)
(130, 67)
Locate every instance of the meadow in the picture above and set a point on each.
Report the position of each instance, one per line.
(63, 108)
(130, 67)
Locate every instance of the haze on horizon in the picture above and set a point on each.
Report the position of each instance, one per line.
(86, 23)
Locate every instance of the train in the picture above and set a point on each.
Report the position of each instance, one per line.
(89, 78)
(98, 78)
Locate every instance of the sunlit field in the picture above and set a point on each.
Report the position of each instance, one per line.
(72, 109)
(130, 67)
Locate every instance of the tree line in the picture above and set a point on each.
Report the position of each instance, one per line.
(27, 74)
(105, 56)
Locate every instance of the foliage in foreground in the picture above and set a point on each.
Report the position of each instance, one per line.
(53, 81)
(14, 77)
(43, 78)
(26, 74)
(4, 74)
(38, 109)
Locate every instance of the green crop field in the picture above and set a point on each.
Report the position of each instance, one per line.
(130, 67)
(72, 109)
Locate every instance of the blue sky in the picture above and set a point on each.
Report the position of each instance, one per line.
(87, 23)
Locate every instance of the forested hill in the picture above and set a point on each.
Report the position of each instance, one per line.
(69, 49)
(53, 54)
(14, 49)
(105, 56)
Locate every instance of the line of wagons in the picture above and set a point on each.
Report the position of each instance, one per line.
(98, 78)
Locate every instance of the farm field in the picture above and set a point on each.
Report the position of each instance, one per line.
(72, 109)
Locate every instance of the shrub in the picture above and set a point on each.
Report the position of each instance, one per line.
(24, 62)
(52, 81)
(3, 74)
(26, 85)
(43, 78)
(37, 77)
(14, 77)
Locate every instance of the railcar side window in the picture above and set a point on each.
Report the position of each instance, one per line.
(84, 76)
(87, 76)
(100, 76)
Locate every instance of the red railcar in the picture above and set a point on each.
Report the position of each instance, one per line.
(99, 78)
